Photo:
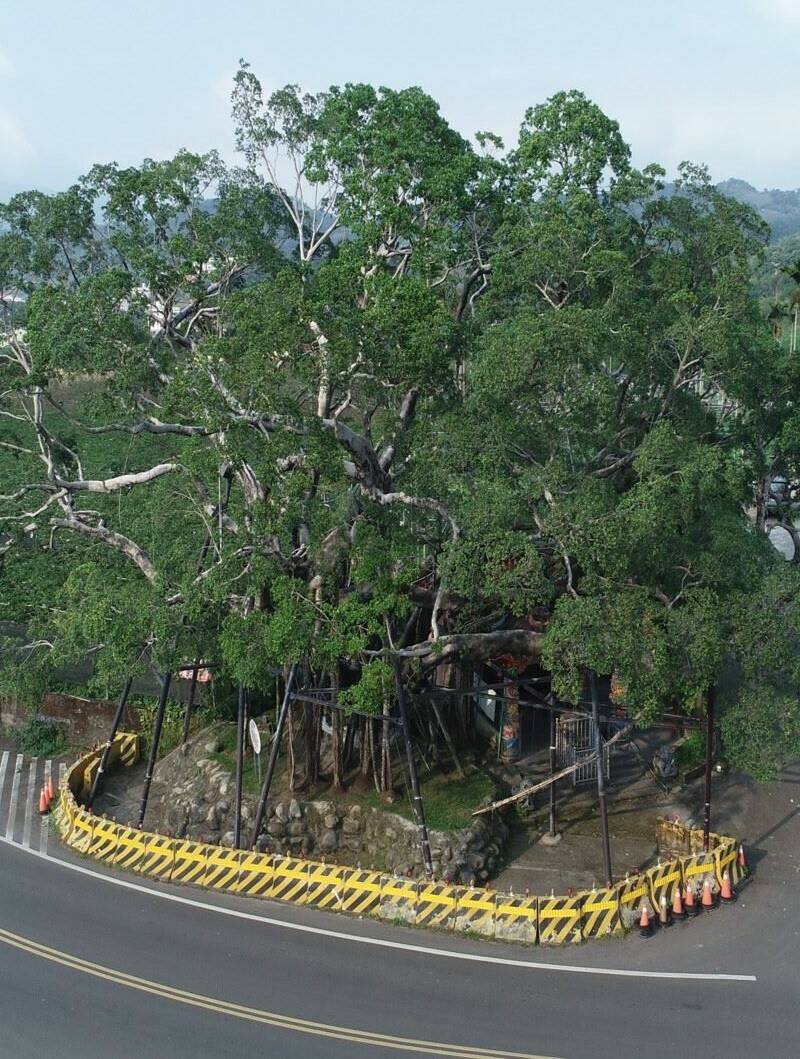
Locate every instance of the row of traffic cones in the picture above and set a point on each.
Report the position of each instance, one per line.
(46, 796)
(685, 905)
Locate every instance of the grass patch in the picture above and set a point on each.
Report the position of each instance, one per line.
(39, 739)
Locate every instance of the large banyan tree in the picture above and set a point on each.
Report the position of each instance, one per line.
(383, 393)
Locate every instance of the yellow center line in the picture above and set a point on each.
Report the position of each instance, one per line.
(224, 1007)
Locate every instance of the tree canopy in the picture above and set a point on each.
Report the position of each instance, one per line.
(384, 391)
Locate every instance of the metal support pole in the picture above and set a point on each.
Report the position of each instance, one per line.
(237, 817)
(601, 785)
(151, 760)
(710, 700)
(552, 769)
(273, 755)
(419, 808)
(187, 717)
(101, 768)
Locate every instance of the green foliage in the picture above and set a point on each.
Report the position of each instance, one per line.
(374, 690)
(40, 739)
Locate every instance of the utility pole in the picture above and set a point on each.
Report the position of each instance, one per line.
(601, 786)
(273, 755)
(419, 809)
(101, 768)
(237, 817)
(552, 701)
(710, 702)
(188, 715)
(151, 760)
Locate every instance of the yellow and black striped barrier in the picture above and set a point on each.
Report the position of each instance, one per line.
(553, 920)
(663, 881)
(475, 912)
(516, 918)
(325, 886)
(362, 893)
(559, 920)
(600, 913)
(256, 871)
(436, 904)
(398, 899)
(130, 748)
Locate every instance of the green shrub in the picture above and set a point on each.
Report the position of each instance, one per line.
(40, 739)
(691, 752)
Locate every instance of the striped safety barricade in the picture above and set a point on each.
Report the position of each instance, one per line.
(726, 859)
(600, 912)
(398, 899)
(362, 892)
(130, 850)
(436, 904)
(159, 856)
(663, 880)
(289, 879)
(516, 918)
(475, 912)
(222, 868)
(130, 748)
(256, 871)
(64, 813)
(631, 894)
(696, 867)
(82, 827)
(189, 862)
(559, 920)
(325, 886)
(104, 840)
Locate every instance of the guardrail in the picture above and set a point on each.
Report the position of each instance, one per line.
(554, 920)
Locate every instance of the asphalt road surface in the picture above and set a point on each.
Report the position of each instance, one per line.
(94, 963)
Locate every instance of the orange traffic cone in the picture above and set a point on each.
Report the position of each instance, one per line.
(726, 893)
(42, 802)
(645, 923)
(691, 903)
(677, 905)
(51, 789)
(742, 860)
(708, 895)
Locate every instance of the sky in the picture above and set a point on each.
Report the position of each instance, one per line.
(85, 81)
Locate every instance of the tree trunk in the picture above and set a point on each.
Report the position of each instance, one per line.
(510, 736)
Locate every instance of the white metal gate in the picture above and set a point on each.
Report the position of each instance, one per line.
(575, 740)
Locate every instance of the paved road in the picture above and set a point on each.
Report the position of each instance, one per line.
(92, 964)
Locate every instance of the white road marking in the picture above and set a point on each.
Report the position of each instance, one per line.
(3, 767)
(423, 950)
(30, 794)
(12, 809)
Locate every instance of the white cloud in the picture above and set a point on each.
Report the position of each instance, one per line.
(6, 65)
(785, 10)
(14, 144)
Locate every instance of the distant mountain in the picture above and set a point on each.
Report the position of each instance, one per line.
(780, 209)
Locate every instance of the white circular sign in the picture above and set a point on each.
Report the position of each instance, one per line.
(782, 541)
(255, 736)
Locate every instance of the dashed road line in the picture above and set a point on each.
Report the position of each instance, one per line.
(26, 828)
(12, 808)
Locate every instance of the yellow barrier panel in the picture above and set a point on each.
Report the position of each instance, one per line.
(82, 827)
(631, 893)
(516, 918)
(189, 862)
(436, 904)
(159, 856)
(130, 748)
(64, 812)
(130, 849)
(256, 871)
(726, 859)
(222, 868)
(325, 886)
(559, 920)
(600, 912)
(104, 840)
(290, 879)
(398, 899)
(475, 912)
(697, 866)
(362, 892)
(663, 880)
